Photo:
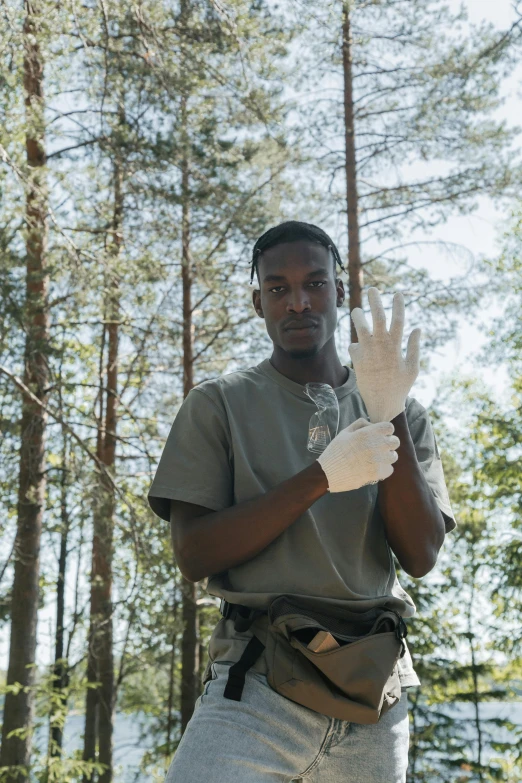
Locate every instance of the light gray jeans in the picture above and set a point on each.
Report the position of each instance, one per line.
(266, 738)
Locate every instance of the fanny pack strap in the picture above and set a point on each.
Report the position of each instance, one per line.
(243, 617)
(237, 672)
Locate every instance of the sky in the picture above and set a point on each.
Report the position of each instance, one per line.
(480, 234)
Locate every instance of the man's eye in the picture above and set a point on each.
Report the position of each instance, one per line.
(315, 283)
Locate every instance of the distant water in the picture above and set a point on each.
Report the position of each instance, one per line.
(128, 749)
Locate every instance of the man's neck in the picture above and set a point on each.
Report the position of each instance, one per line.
(321, 368)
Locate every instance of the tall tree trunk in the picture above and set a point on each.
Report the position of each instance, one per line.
(106, 663)
(170, 701)
(60, 669)
(355, 272)
(474, 669)
(202, 653)
(189, 643)
(189, 653)
(18, 708)
(413, 749)
(476, 705)
(91, 699)
(100, 711)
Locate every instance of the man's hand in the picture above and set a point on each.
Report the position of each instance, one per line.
(384, 378)
(360, 454)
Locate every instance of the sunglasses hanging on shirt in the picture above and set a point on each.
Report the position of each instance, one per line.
(324, 423)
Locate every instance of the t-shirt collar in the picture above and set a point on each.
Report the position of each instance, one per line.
(267, 368)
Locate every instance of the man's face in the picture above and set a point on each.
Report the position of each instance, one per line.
(298, 296)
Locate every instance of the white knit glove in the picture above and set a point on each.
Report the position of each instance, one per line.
(360, 454)
(383, 376)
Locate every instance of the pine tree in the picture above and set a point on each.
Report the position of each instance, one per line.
(402, 102)
(15, 752)
(228, 208)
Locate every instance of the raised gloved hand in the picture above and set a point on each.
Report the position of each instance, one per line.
(383, 376)
(360, 454)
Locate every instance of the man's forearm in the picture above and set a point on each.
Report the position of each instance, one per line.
(218, 541)
(414, 524)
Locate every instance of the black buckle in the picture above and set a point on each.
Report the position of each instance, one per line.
(243, 616)
(225, 608)
(401, 632)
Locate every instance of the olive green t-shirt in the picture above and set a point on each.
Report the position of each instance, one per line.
(238, 436)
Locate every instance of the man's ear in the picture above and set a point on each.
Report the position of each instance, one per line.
(256, 301)
(340, 292)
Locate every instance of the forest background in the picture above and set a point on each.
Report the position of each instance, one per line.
(145, 147)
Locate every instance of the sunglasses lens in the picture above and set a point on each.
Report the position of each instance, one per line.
(325, 422)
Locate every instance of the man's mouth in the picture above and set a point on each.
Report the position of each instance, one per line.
(301, 330)
(305, 326)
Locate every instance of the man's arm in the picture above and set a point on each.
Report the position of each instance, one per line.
(208, 543)
(414, 524)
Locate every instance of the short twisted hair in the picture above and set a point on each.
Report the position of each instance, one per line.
(290, 231)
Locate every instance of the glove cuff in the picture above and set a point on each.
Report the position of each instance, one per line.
(335, 470)
(386, 410)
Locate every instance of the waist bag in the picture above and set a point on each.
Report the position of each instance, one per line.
(357, 681)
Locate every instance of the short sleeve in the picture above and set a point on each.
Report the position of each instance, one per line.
(428, 457)
(195, 465)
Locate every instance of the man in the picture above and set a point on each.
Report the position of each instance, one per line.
(261, 516)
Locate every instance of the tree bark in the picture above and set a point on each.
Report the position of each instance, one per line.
(413, 752)
(355, 272)
(172, 668)
(60, 669)
(91, 699)
(100, 710)
(170, 702)
(189, 644)
(106, 663)
(19, 708)
(189, 653)
(474, 668)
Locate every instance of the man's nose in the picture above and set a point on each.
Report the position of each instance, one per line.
(298, 302)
